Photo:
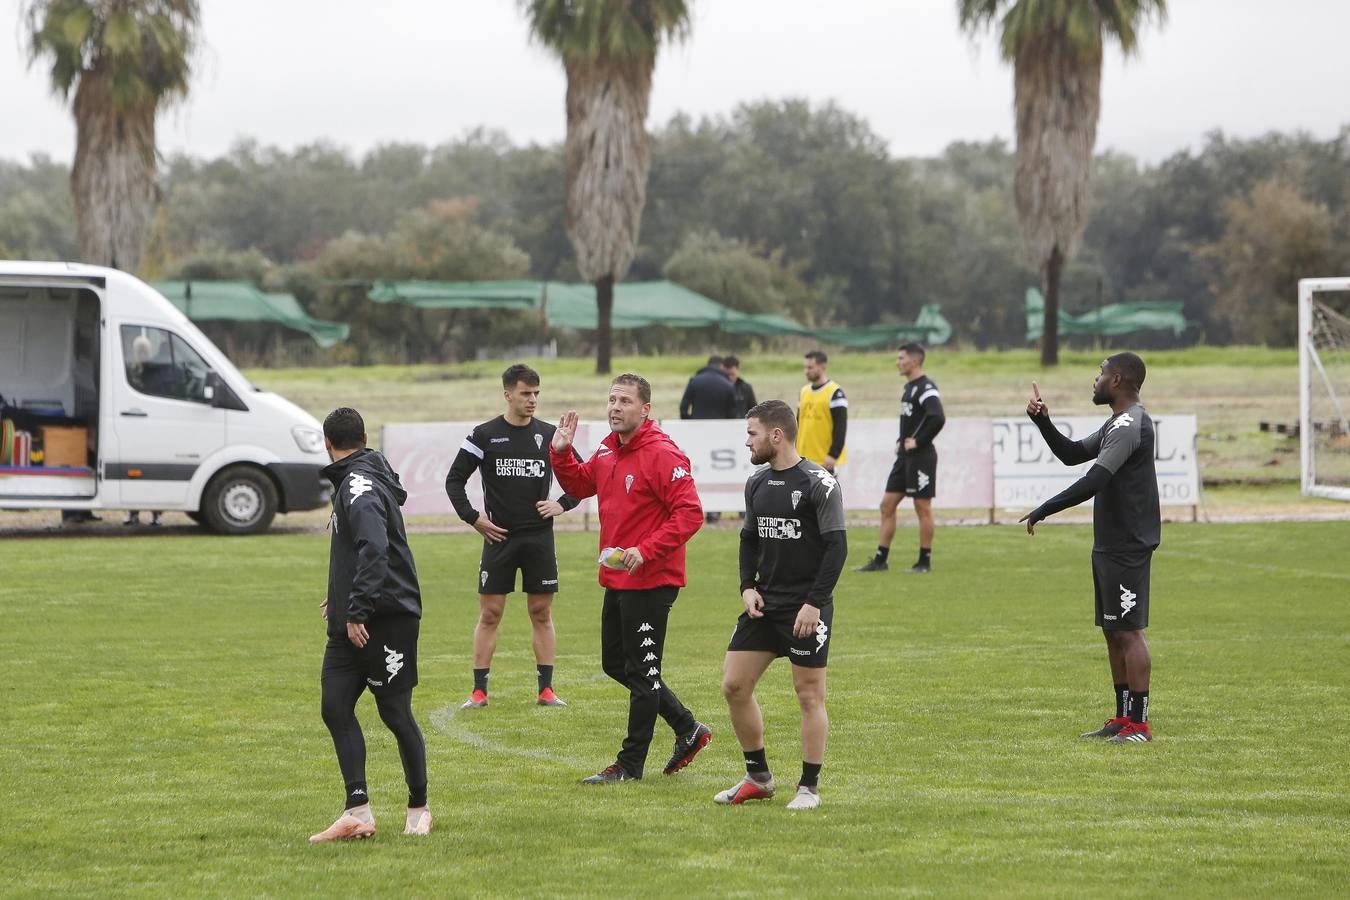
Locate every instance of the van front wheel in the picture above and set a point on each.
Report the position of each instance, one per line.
(240, 500)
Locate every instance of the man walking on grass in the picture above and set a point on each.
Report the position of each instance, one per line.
(1127, 528)
(649, 509)
(793, 547)
(374, 611)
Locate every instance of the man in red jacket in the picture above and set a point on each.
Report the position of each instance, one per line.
(649, 509)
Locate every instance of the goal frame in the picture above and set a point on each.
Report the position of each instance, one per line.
(1310, 366)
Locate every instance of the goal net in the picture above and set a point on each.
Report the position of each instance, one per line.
(1324, 386)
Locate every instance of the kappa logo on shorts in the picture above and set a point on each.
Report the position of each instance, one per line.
(645, 626)
(796, 498)
(539, 442)
(822, 635)
(647, 642)
(1127, 601)
(924, 480)
(627, 484)
(393, 662)
(795, 652)
(551, 581)
(656, 685)
(653, 671)
(359, 485)
(649, 657)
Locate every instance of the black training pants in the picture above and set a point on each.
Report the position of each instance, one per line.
(343, 680)
(632, 643)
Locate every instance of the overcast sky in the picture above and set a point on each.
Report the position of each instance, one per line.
(362, 73)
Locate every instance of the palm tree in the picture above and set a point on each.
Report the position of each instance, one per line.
(608, 49)
(123, 59)
(1055, 47)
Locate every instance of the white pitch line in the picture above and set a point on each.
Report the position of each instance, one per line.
(1264, 567)
(443, 720)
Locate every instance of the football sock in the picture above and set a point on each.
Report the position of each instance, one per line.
(757, 764)
(1139, 706)
(1122, 699)
(545, 675)
(356, 794)
(883, 552)
(480, 680)
(810, 774)
(925, 554)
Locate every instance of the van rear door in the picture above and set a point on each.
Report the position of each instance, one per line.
(166, 423)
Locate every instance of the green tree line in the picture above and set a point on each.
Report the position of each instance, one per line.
(778, 206)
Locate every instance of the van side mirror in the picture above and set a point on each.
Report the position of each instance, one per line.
(209, 391)
(218, 394)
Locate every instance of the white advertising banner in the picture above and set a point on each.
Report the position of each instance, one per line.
(1026, 473)
(422, 452)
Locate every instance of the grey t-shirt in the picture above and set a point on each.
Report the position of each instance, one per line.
(1125, 513)
(786, 512)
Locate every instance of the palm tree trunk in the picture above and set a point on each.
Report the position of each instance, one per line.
(1050, 274)
(113, 179)
(604, 317)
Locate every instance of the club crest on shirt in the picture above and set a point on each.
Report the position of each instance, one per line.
(539, 442)
(796, 498)
(627, 484)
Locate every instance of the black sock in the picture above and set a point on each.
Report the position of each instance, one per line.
(480, 680)
(417, 797)
(356, 795)
(1139, 706)
(545, 675)
(883, 552)
(756, 764)
(1122, 699)
(925, 554)
(810, 774)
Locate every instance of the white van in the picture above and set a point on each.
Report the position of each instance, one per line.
(111, 399)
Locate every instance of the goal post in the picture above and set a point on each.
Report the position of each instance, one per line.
(1324, 386)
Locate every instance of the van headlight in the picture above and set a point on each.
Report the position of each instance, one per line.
(310, 440)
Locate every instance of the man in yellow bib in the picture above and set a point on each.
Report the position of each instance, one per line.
(822, 415)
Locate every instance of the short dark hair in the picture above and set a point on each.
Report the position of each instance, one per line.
(914, 348)
(731, 361)
(518, 373)
(818, 355)
(1129, 367)
(644, 389)
(715, 360)
(775, 414)
(345, 429)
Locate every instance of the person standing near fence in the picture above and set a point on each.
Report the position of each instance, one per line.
(914, 474)
(822, 414)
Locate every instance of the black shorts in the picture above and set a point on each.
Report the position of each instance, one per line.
(772, 633)
(914, 474)
(531, 553)
(387, 663)
(1120, 581)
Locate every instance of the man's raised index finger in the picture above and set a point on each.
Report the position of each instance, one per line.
(1035, 392)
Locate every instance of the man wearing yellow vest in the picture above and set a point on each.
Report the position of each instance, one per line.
(822, 415)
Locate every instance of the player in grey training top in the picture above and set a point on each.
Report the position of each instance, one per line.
(793, 547)
(1127, 526)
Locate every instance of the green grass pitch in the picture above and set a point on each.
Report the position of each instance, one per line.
(161, 729)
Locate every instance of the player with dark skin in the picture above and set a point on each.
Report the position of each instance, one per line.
(1127, 650)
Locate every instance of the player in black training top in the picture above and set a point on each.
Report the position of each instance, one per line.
(1126, 527)
(914, 474)
(793, 547)
(511, 454)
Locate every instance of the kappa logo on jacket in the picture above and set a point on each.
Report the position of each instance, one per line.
(359, 485)
(679, 472)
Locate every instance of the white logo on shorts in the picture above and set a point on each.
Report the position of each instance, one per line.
(482, 578)
(649, 657)
(923, 480)
(1127, 602)
(647, 642)
(645, 626)
(393, 662)
(653, 671)
(822, 635)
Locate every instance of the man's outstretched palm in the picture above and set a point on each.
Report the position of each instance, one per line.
(567, 430)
